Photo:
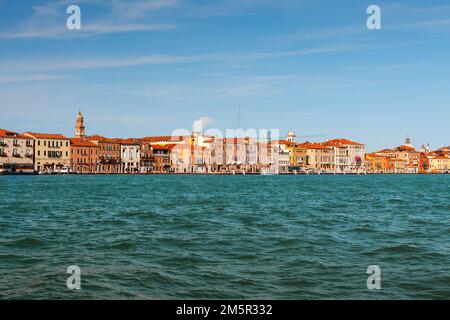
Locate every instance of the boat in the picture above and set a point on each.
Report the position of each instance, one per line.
(64, 170)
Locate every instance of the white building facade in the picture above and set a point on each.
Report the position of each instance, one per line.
(130, 157)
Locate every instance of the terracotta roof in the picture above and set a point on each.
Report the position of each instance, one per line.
(163, 138)
(441, 157)
(11, 134)
(341, 142)
(163, 147)
(376, 155)
(47, 136)
(312, 145)
(103, 139)
(96, 137)
(79, 142)
(129, 142)
(386, 151)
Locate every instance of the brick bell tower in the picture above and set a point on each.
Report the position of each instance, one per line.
(79, 126)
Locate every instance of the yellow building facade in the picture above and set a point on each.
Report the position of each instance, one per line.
(440, 164)
(51, 152)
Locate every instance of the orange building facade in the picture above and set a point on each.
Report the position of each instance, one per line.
(85, 156)
(109, 154)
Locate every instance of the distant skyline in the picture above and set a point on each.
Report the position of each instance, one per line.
(147, 67)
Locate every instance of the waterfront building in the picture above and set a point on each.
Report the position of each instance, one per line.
(439, 163)
(407, 154)
(377, 163)
(201, 159)
(218, 155)
(130, 155)
(348, 155)
(84, 156)
(296, 156)
(389, 161)
(146, 165)
(284, 160)
(51, 152)
(424, 163)
(109, 154)
(235, 153)
(181, 158)
(281, 151)
(241, 155)
(162, 158)
(316, 157)
(252, 156)
(16, 152)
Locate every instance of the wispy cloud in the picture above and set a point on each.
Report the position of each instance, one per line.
(59, 32)
(31, 78)
(48, 20)
(105, 62)
(139, 8)
(397, 7)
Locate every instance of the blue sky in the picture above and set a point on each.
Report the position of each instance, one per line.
(148, 67)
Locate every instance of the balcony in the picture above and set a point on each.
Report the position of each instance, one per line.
(3, 144)
(29, 155)
(17, 155)
(3, 154)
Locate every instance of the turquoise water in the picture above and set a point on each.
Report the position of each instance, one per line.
(225, 237)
